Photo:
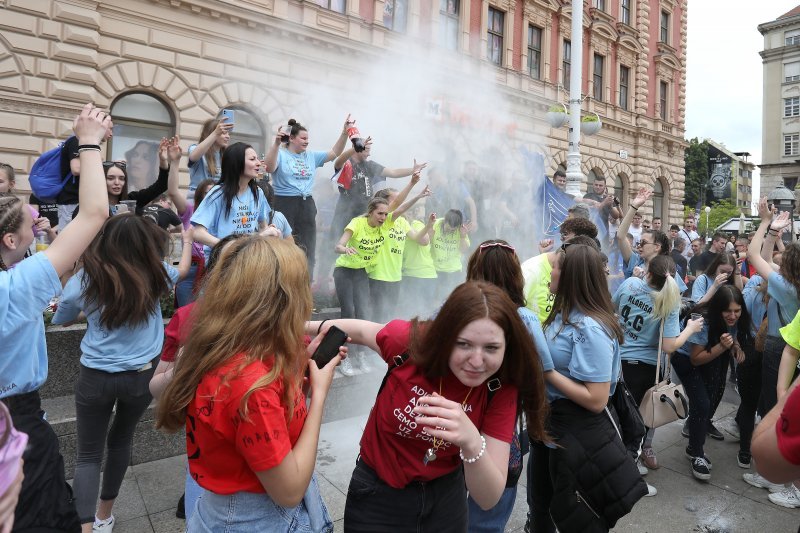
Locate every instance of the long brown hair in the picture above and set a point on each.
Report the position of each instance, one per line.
(582, 287)
(432, 342)
(496, 261)
(255, 302)
(208, 128)
(124, 274)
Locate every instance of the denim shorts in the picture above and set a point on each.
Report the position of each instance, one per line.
(246, 512)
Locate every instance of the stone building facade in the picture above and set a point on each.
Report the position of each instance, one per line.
(165, 66)
(780, 137)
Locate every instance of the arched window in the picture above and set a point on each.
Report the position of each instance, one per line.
(660, 192)
(248, 129)
(621, 190)
(140, 121)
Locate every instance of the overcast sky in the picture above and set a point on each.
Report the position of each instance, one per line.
(724, 71)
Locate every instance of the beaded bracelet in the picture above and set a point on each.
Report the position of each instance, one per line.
(88, 147)
(473, 459)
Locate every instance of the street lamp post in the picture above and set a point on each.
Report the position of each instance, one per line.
(574, 174)
(708, 215)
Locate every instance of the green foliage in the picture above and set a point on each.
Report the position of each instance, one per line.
(696, 166)
(590, 118)
(720, 213)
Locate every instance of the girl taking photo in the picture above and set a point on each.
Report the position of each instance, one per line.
(118, 288)
(445, 415)
(234, 386)
(205, 156)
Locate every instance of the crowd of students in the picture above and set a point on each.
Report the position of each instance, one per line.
(515, 356)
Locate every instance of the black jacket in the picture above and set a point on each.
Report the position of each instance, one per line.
(595, 480)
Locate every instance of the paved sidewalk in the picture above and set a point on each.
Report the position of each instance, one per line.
(150, 492)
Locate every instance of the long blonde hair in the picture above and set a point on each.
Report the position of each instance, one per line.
(255, 302)
(667, 296)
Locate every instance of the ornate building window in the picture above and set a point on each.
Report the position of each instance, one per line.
(448, 23)
(494, 50)
(566, 64)
(624, 86)
(597, 77)
(395, 15)
(140, 121)
(333, 5)
(535, 51)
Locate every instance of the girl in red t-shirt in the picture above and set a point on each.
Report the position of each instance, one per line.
(251, 440)
(449, 400)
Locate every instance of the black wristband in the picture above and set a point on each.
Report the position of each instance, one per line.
(89, 147)
(320, 325)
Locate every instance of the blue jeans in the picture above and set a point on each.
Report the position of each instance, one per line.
(700, 384)
(246, 512)
(183, 290)
(191, 493)
(496, 518)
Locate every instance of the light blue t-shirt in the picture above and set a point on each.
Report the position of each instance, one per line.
(701, 339)
(531, 322)
(198, 170)
(116, 350)
(582, 351)
(782, 294)
(25, 292)
(701, 286)
(636, 260)
(294, 175)
(247, 212)
(634, 304)
(754, 301)
(280, 222)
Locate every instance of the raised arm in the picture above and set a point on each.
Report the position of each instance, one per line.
(423, 236)
(403, 194)
(403, 172)
(271, 158)
(91, 127)
(338, 146)
(174, 153)
(185, 263)
(754, 248)
(205, 145)
(622, 241)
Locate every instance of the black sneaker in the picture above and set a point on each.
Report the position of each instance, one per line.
(527, 528)
(700, 468)
(180, 512)
(691, 455)
(743, 459)
(714, 433)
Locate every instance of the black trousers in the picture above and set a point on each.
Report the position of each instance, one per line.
(748, 377)
(384, 296)
(438, 506)
(352, 289)
(301, 213)
(45, 502)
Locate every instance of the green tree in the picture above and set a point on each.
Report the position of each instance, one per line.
(720, 213)
(696, 166)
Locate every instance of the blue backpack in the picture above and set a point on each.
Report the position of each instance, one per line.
(45, 177)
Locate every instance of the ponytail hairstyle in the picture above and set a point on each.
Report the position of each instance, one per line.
(232, 169)
(659, 237)
(11, 218)
(667, 297)
(211, 162)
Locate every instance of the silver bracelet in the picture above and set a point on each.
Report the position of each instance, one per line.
(473, 459)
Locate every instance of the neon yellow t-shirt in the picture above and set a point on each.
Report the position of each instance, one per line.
(417, 260)
(366, 240)
(791, 332)
(445, 248)
(388, 264)
(537, 272)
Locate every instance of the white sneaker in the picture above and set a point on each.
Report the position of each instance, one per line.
(346, 367)
(651, 490)
(103, 526)
(642, 469)
(759, 481)
(789, 497)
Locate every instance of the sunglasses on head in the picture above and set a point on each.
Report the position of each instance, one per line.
(483, 246)
(119, 164)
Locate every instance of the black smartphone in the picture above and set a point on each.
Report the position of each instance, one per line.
(329, 346)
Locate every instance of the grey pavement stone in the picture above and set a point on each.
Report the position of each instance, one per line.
(135, 525)
(161, 482)
(166, 522)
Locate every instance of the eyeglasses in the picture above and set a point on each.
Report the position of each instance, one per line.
(119, 164)
(485, 245)
(641, 243)
(645, 226)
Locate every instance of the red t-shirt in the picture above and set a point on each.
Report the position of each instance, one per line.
(224, 450)
(787, 428)
(176, 332)
(394, 445)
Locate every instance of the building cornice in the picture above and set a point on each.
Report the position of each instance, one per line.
(779, 24)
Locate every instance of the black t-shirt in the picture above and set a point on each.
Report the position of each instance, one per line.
(366, 176)
(680, 262)
(165, 218)
(694, 263)
(50, 211)
(705, 259)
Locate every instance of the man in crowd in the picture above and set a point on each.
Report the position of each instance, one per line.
(677, 255)
(560, 180)
(689, 234)
(657, 223)
(694, 260)
(636, 229)
(717, 247)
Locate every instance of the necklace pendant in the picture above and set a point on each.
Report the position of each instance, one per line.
(430, 456)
